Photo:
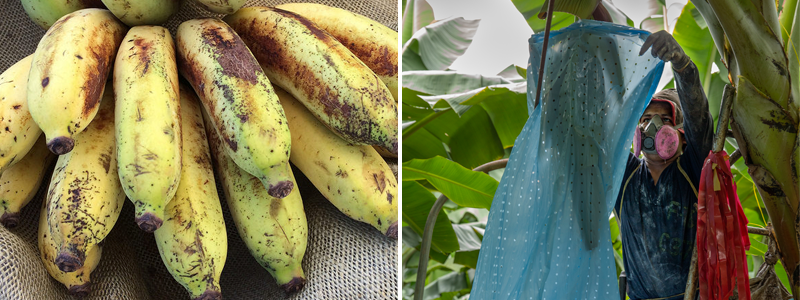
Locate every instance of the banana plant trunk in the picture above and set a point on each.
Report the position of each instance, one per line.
(763, 67)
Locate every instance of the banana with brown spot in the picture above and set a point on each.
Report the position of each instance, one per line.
(69, 72)
(148, 122)
(274, 230)
(21, 181)
(192, 241)
(372, 42)
(18, 131)
(239, 99)
(85, 197)
(309, 63)
(221, 6)
(143, 12)
(46, 12)
(78, 282)
(353, 178)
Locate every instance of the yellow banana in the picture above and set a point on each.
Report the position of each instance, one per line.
(239, 99)
(69, 72)
(148, 123)
(78, 282)
(85, 197)
(19, 131)
(275, 230)
(222, 6)
(372, 42)
(192, 241)
(339, 89)
(353, 178)
(143, 12)
(20, 183)
(46, 12)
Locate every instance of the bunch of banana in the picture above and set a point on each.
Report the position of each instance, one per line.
(46, 12)
(85, 197)
(192, 241)
(143, 12)
(372, 42)
(20, 182)
(275, 230)
(239, 99)
(77, 282)
(221, 6)
(20, 132)
(69, 72)
(339, 89)
(353, 178)
(148, 122)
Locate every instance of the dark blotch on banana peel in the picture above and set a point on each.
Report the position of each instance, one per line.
(209, 295)
(61, 145)
(281, 189)
(148, 222)
(296, 284)
(392, 231)
(10, 220)
(80, 291)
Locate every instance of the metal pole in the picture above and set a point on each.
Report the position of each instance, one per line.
(544, 51)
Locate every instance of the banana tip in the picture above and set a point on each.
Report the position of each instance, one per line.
(392, 231)
(148, 222)
(80, 291)
(10, 220)
(67, 262)
(61, 145)
(280, 189)
(296, 284)
(209, 295)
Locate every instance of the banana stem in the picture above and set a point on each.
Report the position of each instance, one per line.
(724, 117)
(427, 233)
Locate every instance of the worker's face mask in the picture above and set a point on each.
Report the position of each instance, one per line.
(655, 137)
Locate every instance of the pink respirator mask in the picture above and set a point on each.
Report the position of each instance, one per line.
(655, 137)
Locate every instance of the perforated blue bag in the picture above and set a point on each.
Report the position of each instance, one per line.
(548, 234)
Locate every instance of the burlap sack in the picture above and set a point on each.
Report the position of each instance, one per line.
(345, 259)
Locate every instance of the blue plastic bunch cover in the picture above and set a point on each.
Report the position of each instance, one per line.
(548, 233)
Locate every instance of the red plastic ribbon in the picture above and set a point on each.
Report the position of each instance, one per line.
(721, 233)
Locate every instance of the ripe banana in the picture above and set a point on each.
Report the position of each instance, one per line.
(46, 12)
(239, 99)
(319, 71)
(85, 197)
(148, 122)
(193, 242)
(275, 230)
(221, 6)
(19, 131)
(372, 42)
(20, 183)
(69, 72)
(353, 178)
(78, 282)
(143, 12)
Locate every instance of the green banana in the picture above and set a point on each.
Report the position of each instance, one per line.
(372, 42)
(192, 241)
(69, 72)
(239, 99)
(353, 178)
(20, 182)
(20, 131)
(143, 12)
(46, 12)
(221, 6)
(339, 89)
(148, 122)
(85, 198)
(275, 230)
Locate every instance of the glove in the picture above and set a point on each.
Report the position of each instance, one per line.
(665, 47)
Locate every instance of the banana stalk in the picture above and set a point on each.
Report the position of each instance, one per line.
(19, 184)
(20, 131)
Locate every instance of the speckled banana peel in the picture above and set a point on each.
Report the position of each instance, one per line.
(192, 241)
(221, 6)
(68, 74)
(78, 282)
(274, 230)
(148, 122)
(239, 99)
(85, 197)
(372, 42)
(309, 63)
(20, 182)
(19, 132)
(46, 12)
(353, 178)
(143, 12)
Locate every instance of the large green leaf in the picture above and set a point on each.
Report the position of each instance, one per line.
(452, 282)
(509, 114)
(435, 82)
(438, 45)
(422, 144)
(461, 102)
(475, 141)
(468, 238)
(531, 8)
(416, 14)
(463, 186)
(417, 204)
(698, 45)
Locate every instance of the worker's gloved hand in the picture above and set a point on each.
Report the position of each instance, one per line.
(667, 49)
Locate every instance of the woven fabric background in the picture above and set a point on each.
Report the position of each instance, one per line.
(345, 259)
